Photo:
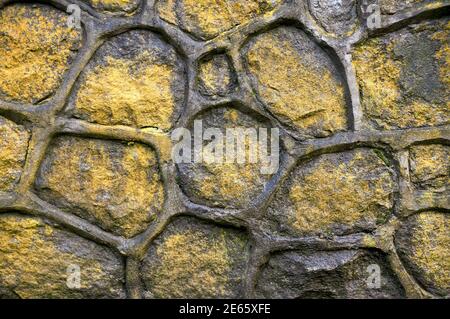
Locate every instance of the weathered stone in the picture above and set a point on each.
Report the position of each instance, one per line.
(333, 274)
(115, 7)
(404, 77)
(423, 243)
(430, 167)
(298, 82)
(135, 79)
(336, 17)
(335, 194)
(112, 184)
(37, 258)
(194, 259)
(226, 184)
(13, 150)
(37, 47)
(207, 19)
(394, 6)
(216, 76)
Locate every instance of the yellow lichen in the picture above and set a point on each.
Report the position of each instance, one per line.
(443, 54)
(232, 184)
(393, 6)
(33, 266)
(13, 150)
(229, 183)
(348, 194)
(135, 92)
(116, 7)
(379, 72)
(208, 18)
(215, 76)
(294, 89)
(36, 47)
(117, 186)
(194, 263)
(430, 166)
(430, 242)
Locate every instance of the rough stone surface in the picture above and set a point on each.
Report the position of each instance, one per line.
(216, 77)
(430, 167)
(207, 19)
(13, 151)
(335, 194)
(115, 185)
(135, 79)
(86, 136)
(335, 17)
(398, 91)
(194, 259)
(394, 6)
(36, 259)
(37, 48)
(115, 7)
(423, 243)
(230, 185)
(332, 274)
(298, 82)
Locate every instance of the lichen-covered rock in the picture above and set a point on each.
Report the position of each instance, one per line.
(216, 76)
(115, 7)
(430, 167)
(194, 259)
(112, 184)
(37, 48)
(134, 79)
(37, 258)
(228, 183)
(336, 17)
(404, 77)
(423, 243)
(333, 274)
(207, 19)
(298, 82)
(13, 150)
(335, 194)
(394, 6)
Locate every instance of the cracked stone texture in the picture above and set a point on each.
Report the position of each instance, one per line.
(86, 176)
(335, 17)
(229, 185)
(423, 243)
(113, 184)
(216, 76)
(207, 19)
(35, 257)
(193, 259)
(135, 79)
(37, 48)
(326, 274)
(298, 82)
(397, 90)
(430, 167)
(13, 150)
(335, 194)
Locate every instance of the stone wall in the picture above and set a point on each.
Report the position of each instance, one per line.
(87, 182)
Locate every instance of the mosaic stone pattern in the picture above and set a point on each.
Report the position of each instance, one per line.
(88, 184)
